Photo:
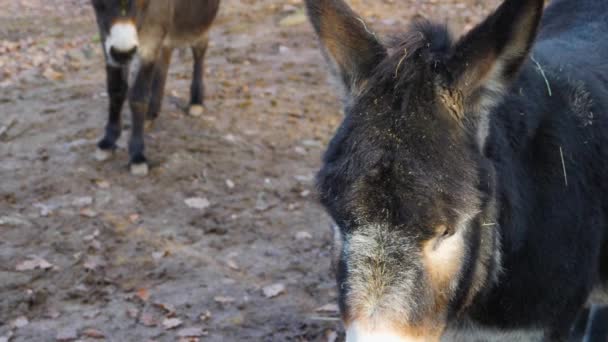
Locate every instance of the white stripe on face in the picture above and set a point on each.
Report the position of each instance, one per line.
(122, 37)
(360, 333)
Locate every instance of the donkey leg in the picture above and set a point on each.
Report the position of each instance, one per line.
(197, 89)
(139, 100)
(117, 86)
(158, 85)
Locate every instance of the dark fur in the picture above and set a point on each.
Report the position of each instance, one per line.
(399, 160)
(186, 20)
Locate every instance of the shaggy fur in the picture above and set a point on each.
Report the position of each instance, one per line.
(494, 128)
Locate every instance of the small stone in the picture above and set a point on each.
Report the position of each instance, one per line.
(230, 184)
(88, 212)
(303, 236)
(197, 203)
(20, 322)
(233, 265)
(305, 193)
(273, 290)
(205, 316)
(103, 184)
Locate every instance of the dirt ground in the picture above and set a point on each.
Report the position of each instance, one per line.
(224, 240)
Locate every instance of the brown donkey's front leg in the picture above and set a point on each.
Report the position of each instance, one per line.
(158, 85)
(139, 100)
(117, 87)
(197, 89)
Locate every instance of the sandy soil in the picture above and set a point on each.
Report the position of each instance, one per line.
(127, 259)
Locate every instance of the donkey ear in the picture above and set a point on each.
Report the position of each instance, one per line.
(486, 60)
(351, 48)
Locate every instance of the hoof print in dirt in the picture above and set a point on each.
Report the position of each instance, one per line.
(103, 155)
(140, 170)
(196, 111)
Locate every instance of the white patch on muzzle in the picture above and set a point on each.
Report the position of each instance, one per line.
(359, 333)
(122, 37)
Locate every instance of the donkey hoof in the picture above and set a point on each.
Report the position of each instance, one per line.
(139, 170)
(196, 110)
(103, 155)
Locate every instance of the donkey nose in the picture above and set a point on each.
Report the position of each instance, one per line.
(121, 56)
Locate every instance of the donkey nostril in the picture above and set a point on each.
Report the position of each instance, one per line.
(122, 56)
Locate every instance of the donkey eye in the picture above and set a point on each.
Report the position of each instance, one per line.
(443, 231)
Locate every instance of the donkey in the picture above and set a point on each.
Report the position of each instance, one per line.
(150, 29)
(468, 182)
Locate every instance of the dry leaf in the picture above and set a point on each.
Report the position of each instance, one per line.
(34, 263)
(224, 300)
(93, 333)
(148, 319)
(332, 308)
(172, 323)
(191, 332)
(274, 290)
(143, 294)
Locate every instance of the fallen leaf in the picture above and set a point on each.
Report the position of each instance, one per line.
(132, 312)
(148, 319)
(233, 265)
(328, 308)
(172, 323)
(167, 308)
(303, 236)
(197, 203)
(191, 332)
(134, 218)
(223, 299)
(94, 262)
(273, 290)
(34, 263)
(143, 294)
(93, 333)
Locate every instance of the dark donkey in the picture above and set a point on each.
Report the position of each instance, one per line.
(150, 29)
(469, 179)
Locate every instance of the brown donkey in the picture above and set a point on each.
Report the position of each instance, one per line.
(151, 30)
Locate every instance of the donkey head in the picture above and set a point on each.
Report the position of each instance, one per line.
(118, 29)
(405, 178)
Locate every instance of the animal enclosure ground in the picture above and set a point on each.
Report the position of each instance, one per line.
(223, 241)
